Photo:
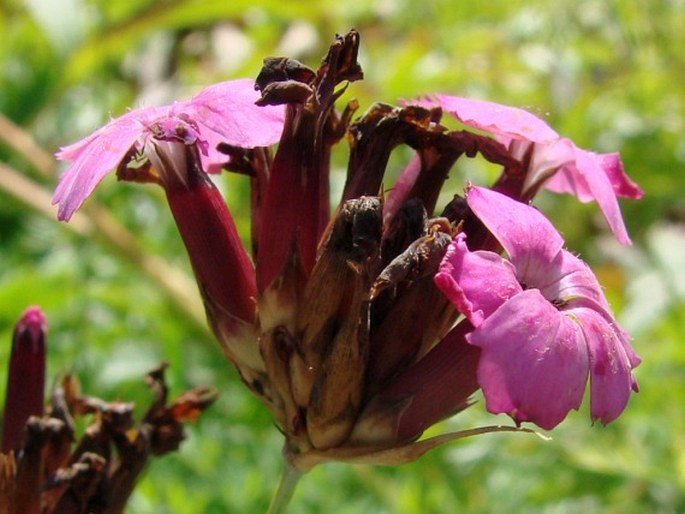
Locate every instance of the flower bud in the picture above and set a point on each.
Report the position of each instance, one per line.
(26, 377)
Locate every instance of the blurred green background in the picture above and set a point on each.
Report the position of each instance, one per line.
(608, 74)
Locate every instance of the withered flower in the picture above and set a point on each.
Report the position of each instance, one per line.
(336, 322)
(46, 467)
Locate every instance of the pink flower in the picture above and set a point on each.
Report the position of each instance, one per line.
(542, 322)
(553, 162)
(222, 113)
(173, 146)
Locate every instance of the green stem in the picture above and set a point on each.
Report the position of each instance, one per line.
(290, 477)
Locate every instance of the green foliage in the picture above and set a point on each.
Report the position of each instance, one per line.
(607, 74)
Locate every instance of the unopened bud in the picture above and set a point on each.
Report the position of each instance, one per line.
(26, 377)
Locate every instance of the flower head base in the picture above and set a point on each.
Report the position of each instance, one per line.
(542, 322)
(341, 326)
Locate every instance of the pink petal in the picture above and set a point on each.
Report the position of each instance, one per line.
(624, 338)
(400, 190)
(545, 161)
(611, 380)
(623, 186)
(597, 177)
(528, 237)
(477, 283)
(95, 156)
(610, 163)
(225, 112)
(228, 109)
(568, 279)
(534, 361)
(498, 119)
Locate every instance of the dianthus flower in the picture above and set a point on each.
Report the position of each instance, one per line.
(335, 321)
(542, 322)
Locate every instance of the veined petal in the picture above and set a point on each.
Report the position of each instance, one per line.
(545, 161)
(478, 283)
(569, 169)
(597, 177)
(116, 127)
(611, 380)
(565, 182)
(527, 236)
(498, 119)
(623, 186)
(225, 112)
(95, 156)
(228, 109)
(569, 279)
(624, 338)
(534, 362)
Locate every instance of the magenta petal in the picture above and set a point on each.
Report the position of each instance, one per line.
(601, 189)
(588, 180)
(534, 362)
(528, 237)
(546, 159)
(118, 127)
(569, 280)
(611, 380)
(399, 192)
(624, 339)
(229, 109)
(566, 180)
(623, 186)
(95, 156)
(477, 283)
(498, 119)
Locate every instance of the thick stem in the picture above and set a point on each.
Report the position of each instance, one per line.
(290, 477)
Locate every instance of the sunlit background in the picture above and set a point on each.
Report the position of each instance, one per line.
(608, 74)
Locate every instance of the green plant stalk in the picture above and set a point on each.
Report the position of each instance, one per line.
(290, 477)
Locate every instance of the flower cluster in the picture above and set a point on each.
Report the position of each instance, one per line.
(361, 329)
